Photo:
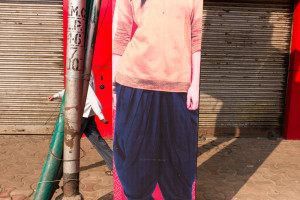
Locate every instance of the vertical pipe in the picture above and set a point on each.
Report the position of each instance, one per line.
(51, 168)
(90, 41)
(73, 95)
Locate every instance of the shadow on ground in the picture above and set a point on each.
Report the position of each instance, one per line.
(225, 165)
(109, 196)
(94, 165)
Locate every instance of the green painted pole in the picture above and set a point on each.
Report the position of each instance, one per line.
(54, 159)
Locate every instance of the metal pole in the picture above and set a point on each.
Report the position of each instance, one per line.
(51, 170)
(90, 41)
(73, 101)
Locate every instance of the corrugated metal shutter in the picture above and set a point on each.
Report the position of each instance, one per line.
(245, 57)
(31, 65)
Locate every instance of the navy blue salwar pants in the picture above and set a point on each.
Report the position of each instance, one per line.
(155, 142)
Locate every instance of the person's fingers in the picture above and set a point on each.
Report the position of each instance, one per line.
(188, 100)
(191, 105)
(105, 121)
(114, 101)
(194, 106)
(113, 105)
(195, 103)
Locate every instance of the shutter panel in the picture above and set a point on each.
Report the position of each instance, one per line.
(245, 58)
(31, 65)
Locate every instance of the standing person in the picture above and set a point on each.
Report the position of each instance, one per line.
(155, 139)
(89, 126)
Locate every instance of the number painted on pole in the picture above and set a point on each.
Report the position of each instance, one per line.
(75, 64)
(78, 39)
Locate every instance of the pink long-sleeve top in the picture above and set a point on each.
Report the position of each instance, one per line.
(158, 57)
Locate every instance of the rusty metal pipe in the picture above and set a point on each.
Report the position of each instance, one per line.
(73, 102)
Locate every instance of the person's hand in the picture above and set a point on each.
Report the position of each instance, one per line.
(114, 103)
(50, 98)
(114, 95)
(193, 97)
(104, 121)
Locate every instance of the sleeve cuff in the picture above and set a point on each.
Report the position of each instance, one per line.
(101, 116)
(196, 48)
(196, 35)
(118, 49)
(56, 96)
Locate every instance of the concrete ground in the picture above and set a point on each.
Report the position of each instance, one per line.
(228, 168)
(22, 160)
(248, 169)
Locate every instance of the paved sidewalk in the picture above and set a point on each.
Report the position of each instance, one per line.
(248, 169)
(238, 169)
(22, 160)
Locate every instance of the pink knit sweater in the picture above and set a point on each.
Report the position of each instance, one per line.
(158, 57)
